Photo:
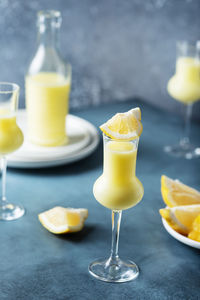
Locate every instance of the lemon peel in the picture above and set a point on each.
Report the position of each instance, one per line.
(61, 220)
(181, 218)
(175, 193)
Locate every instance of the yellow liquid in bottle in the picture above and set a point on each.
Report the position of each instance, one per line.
(118, 188)
(47, 97)
(184, 86)
(11, 136)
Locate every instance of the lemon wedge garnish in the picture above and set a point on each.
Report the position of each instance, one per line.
(62, 220)
(176, 193)
(181, 218)
(124, 126)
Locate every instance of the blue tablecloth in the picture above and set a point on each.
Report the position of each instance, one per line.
(35, 264)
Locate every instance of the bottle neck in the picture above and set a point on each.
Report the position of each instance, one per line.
(48, 36)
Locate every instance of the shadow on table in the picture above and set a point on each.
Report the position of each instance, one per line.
(77, 237)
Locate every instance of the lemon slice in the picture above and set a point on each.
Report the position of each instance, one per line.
(176, 193)
(62, 220)
(181, 218)
(124, 126)
(195, 233)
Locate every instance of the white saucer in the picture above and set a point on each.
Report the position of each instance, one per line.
(83, 140)
(181, 238)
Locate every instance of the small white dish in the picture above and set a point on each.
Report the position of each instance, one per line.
(83, 140)
(181, 238)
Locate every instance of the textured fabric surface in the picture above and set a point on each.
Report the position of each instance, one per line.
(36, 264)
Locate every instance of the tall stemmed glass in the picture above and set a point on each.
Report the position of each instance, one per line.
(11, 138)
(184, 86)
(118, 189)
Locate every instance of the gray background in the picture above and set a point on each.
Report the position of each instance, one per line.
(118, 49)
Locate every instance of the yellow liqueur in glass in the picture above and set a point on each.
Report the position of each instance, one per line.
(184, 86)
(118, 189)
(11, 138)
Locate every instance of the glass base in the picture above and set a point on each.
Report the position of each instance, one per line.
(114, 271)
(10, 212)
(187, 150)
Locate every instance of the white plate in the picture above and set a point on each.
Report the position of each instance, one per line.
(181, 238)
(83, 140)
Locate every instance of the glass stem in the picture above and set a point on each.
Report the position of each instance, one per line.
(3, 170)
(187, 118)
(116, 221)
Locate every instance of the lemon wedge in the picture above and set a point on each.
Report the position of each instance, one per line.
(194, 234)
(181, 218)
(124, 126)
(176, 193)
(60, 220)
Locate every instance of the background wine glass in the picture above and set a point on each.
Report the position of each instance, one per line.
(11, 138)
(184, 86)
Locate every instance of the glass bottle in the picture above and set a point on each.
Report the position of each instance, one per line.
(47, 83)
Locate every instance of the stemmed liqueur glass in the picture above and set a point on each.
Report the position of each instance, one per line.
(118, 189)
(11, 138)
(184, 87)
